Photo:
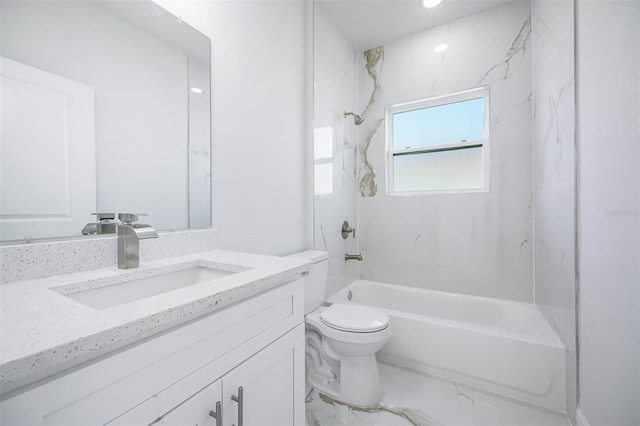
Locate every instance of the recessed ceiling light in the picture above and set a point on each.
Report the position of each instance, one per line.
(196, 90)
(441, 47)
(430, 3)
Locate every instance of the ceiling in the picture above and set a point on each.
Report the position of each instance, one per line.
(370, 23)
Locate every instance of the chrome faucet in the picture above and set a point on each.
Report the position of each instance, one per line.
(129, 236)
(105, 225)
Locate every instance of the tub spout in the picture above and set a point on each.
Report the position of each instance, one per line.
(357, 257)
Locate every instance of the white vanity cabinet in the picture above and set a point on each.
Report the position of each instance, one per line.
(185, 374)
(258, 391)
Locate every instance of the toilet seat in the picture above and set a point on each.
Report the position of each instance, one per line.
(314, 319)
(354, 318)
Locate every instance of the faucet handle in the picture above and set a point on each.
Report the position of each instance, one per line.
(103, 216)
(130, 217)
(347, 229)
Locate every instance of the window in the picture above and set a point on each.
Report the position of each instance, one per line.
(439, 144)
(323, 160)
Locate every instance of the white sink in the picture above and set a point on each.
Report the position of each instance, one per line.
(117, 294)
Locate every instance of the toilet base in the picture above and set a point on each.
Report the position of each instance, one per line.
(358, 382)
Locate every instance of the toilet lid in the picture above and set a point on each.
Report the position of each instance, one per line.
(355, 318)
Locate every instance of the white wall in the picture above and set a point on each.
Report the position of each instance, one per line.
(335, 93)
(259, 151)
(608, 91)
(477, 243)
(141, 100)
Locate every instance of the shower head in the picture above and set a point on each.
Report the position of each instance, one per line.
(356, 118)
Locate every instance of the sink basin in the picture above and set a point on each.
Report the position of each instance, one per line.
(117, 294)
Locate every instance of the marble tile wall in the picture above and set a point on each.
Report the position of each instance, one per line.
(554, 175)
(473, 243)
(335, 93)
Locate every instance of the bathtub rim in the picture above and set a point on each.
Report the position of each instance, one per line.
(549, 338)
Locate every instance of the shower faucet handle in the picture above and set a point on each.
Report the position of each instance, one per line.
(346, 230)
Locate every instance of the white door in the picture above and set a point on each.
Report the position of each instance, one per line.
(47, 153)
(272, 383)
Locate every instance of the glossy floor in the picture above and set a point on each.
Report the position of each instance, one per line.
(415, 399)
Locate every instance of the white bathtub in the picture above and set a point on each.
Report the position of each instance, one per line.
(497, 345)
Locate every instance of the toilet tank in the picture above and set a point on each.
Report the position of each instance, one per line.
(315, 284)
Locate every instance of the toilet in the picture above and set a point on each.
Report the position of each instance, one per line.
(341, 341)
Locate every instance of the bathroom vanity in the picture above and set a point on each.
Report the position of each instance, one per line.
(226, 350)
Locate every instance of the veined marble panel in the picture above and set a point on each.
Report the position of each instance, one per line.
(334, 94)
(554, 181)
(373, 61)
(472, 243)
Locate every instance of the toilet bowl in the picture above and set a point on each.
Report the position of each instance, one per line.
(351, 343)
(341, 342)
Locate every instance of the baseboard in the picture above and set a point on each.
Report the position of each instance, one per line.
(581, 420)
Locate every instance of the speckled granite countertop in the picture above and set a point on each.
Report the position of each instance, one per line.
(43, 332)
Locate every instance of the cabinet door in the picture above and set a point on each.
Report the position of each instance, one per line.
(272, 383)
(197, 410)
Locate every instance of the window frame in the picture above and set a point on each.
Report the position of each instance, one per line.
(390, 152)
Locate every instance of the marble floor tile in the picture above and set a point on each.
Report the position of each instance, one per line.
(413, 398)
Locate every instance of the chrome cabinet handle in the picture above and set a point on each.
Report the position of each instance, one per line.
(217, 414)
(239, 400)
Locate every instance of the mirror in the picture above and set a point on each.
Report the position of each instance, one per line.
(105, 108)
